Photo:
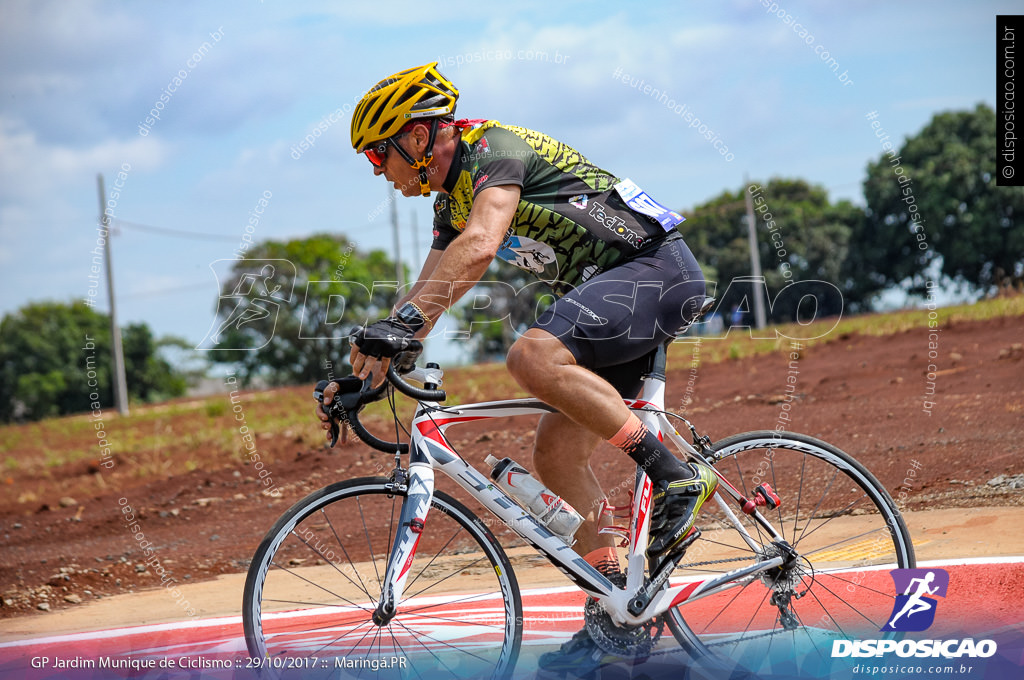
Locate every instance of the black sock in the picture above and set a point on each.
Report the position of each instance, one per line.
(656, 460)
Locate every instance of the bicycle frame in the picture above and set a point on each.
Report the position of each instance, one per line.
(429, 450)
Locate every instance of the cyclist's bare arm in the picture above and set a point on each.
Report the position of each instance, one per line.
(467, 258)
(463, 263)
(460, 267)
(429, 265)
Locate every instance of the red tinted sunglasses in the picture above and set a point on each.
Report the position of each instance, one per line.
(377, 154)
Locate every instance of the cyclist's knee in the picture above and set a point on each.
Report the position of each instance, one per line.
(531, 358)
(518, 361)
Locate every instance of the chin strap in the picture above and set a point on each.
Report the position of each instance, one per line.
(428, 153)
(421, 164)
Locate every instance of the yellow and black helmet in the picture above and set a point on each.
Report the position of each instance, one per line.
(420, 92)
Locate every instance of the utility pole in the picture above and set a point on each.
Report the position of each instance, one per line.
(415, 241)
(120, 382)
(399, 269)
(755, 259)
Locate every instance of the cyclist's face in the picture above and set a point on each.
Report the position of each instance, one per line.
(395, 168)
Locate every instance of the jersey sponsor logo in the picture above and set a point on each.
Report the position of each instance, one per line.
(480, 181)
(440, 204)
(526, 253)
(587, 310)
(482, 146)
(579, 201)
(616, 224)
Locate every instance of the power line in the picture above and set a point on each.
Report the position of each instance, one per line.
(165, 291)
(180, 233)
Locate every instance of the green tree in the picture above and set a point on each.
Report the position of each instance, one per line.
(54, 357)
(152, 376)
(802, 237)
(287, 309)
(936, 196)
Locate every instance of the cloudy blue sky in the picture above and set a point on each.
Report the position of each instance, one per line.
(79, 78)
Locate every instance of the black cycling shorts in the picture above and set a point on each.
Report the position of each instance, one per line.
(616, 320)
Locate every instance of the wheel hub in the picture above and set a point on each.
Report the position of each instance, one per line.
(783, 581)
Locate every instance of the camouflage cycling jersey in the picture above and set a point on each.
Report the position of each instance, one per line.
(570, 224)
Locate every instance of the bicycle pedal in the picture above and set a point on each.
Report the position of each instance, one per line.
(676, 555)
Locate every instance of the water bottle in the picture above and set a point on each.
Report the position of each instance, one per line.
(554, 513)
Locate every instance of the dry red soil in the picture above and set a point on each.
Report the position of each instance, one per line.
(864, 394)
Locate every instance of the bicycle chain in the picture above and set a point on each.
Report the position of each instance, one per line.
(703, 564)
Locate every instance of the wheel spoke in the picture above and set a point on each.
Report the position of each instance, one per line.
(800, 492)
(834, 575)
(778, 490)
(405, 654)
(840, 542)
(351, 563)
(432, 559)
(317, 585)
(855, 609)
(442, 642)
(366, 533)
(454, 573)
(824, 487)
(820, 501)
(739, 591)
(830, 518)
(455, 542)
(328, 561)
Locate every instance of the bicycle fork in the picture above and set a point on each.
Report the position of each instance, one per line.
(420, 485)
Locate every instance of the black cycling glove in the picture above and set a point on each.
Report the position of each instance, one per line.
(384, 338)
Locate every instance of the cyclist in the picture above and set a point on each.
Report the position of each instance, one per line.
(624, 279)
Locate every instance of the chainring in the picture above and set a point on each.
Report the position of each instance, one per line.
(633, 641)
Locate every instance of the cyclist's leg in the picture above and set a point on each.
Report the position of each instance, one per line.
(616, 317)
(562, 459)
(545, 368)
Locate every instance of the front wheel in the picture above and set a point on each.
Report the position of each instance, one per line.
(845, 530)
(316, 578)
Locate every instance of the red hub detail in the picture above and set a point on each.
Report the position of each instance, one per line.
(764, 496)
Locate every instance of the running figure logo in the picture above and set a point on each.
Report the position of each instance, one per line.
(914, 609)
(250, 302)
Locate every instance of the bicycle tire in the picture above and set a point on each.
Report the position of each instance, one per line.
(739, 627)
(339, 595)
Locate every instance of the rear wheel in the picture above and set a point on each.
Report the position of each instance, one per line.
(845, 530)
(316, 578)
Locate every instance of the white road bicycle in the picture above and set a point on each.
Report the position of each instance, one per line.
(387, 576)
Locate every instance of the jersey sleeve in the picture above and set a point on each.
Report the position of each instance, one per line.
(444, 234)
(498, 159)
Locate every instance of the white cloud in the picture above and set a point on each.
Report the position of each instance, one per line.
(31, 171)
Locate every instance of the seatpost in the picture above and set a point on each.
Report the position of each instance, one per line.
(658, 363)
